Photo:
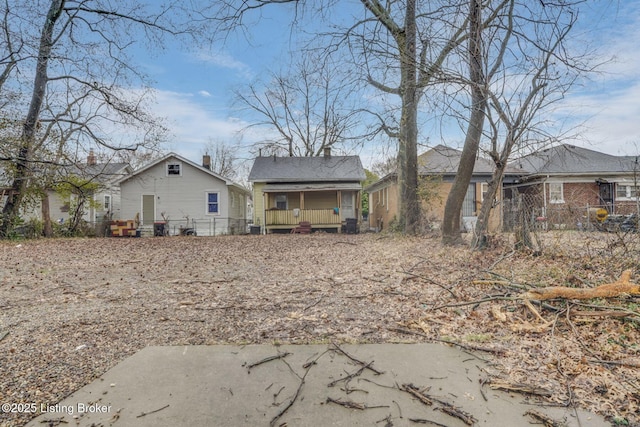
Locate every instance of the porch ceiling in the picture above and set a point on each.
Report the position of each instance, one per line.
(280, 188)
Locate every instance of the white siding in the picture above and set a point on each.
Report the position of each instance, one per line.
(179, 197)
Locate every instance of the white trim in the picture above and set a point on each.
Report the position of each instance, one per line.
(561, 199)
(628, 197)
(170, 163)
(484, 187)
(206, 202)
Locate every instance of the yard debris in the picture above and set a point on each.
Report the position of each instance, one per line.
(620, 287)
(519, 388)
(384, 289)
(144, 414)
(268, 359)
(417, 393)
(546, 421)
(443, 405)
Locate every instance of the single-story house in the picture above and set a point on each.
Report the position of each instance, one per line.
(323, 190)
(437, 169)
(566, 181)
(178, 194)
(103, 202)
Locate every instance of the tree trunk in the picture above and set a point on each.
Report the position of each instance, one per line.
(24, 158)
(410, 213)
(47, 229)
(482, 226)
(453, 206)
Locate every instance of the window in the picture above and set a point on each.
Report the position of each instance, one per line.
(281, 201)
(174, 168)
(213, 206)
(627, 191)
(107, 202)
(555, 192)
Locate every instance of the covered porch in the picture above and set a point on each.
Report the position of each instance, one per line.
(325, 206)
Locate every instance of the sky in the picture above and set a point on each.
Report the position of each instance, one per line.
(194, 88)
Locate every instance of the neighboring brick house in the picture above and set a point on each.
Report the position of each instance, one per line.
(568, 182)
(437, 169)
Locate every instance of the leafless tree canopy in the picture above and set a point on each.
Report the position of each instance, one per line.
(311, 106)
(68, 82)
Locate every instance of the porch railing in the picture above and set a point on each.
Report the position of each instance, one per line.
(314, 216)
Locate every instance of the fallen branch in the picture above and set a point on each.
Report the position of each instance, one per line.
(307, 368)
(353, 359)
(275, 419)
(469, 347)
(350, 376)
(445, 407)
(54, 421)
(546, 421)
(347, 403)
(520, 388)
(415, 392)
(476, 302)
(152, 412)
(616, 362)
(429, 280)
(620, 287)
(353, 405)
(423, 421)
(451, 410)
(268, 359)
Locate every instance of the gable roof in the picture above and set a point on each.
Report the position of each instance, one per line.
(187, 161)
(569, 159)
(443, 160)
(307, 169)
(102, 173)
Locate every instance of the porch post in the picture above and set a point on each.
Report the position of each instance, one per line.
(301, 200)
(265, 199)
(339, 202)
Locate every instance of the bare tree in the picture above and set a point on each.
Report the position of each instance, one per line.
(453, 206)
(78, 96)
(521, 66)
(519, 101)
(223, 158)
(307, 108)
(401, 49)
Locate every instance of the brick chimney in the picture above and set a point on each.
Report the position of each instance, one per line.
(327, 152)
(91, 158)
(206, 161)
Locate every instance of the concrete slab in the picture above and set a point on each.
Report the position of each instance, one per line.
(299, 385)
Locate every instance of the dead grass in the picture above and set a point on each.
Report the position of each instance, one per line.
(74, 308)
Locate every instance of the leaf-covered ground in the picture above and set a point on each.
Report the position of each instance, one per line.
(71, 309)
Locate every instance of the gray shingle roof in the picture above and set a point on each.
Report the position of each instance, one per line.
(307, 169)
(443, 160)
(99, 172)
(569, 159)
